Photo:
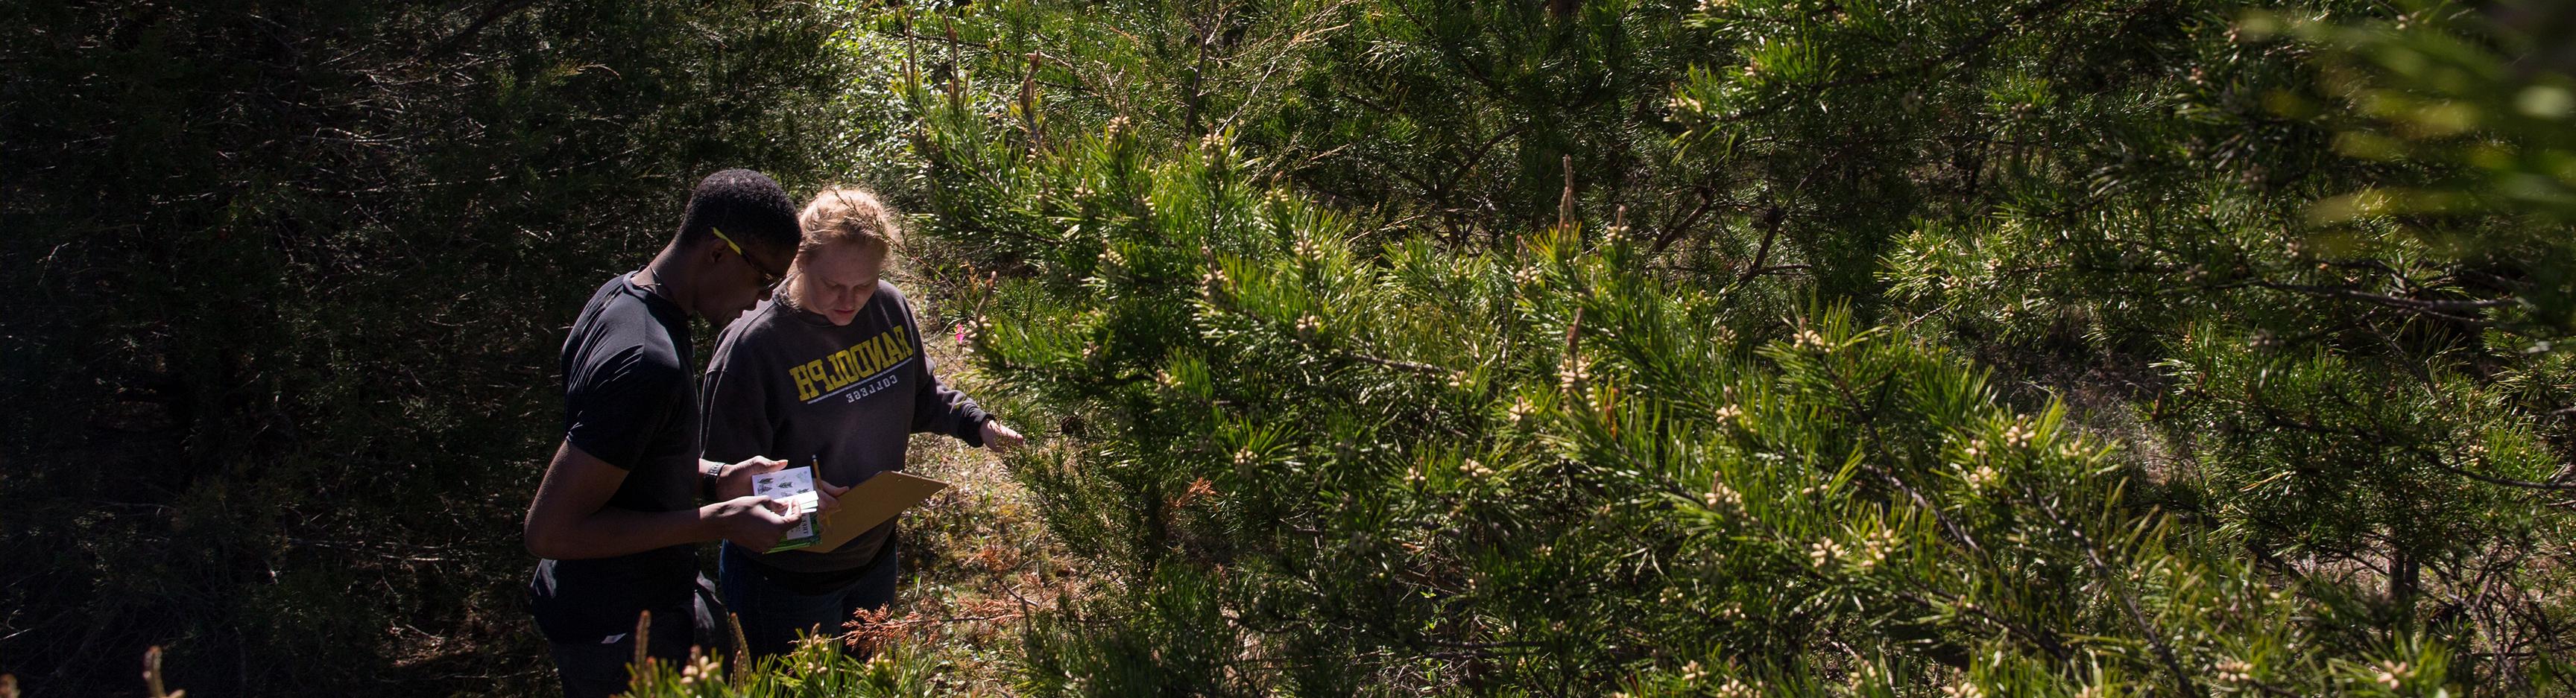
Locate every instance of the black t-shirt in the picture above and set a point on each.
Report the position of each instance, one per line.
(630, 399)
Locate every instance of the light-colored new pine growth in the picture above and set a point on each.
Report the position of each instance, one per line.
(1903, 492)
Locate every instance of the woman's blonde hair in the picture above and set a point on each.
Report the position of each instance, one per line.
(839, 215)
(847, 214)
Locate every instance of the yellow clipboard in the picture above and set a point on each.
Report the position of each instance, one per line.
(871, 502)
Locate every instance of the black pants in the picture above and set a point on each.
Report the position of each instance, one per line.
(598, 669)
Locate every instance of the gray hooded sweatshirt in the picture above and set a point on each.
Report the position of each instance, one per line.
(788, 384)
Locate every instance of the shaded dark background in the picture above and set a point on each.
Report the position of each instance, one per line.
(286, 283)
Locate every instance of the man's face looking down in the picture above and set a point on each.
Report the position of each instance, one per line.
(741, 284)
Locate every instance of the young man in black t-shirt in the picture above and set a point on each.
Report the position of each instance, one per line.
(616, 519)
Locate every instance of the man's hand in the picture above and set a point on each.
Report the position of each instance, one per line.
(735, 480)
(751, 522)
(1000, 438)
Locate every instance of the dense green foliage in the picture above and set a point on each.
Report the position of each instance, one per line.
(2276, 411)
(2038, 347)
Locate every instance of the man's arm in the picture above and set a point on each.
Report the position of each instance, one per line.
(570, 519)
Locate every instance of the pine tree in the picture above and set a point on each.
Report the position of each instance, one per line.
(1351, 411)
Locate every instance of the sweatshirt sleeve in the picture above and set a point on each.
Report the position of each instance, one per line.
(738, 420)
(937, 408)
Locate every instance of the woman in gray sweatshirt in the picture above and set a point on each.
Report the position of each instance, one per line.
(832, 368)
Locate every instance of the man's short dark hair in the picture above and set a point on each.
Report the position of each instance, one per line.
(751, 208)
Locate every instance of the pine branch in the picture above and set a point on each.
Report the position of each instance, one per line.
(1953, 56)
(1770, 232)
(2509, 482)
(459, 39)
(2439, 308)
(2128, 601)
(1406, 365)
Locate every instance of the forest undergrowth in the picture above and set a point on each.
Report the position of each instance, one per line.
(1368, 347)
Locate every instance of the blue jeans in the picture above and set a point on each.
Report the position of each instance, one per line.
(773, 616)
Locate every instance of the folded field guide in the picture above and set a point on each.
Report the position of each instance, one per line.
(865, 506)
(795, 488)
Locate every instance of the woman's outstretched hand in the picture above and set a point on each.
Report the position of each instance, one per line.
(1000, 438)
